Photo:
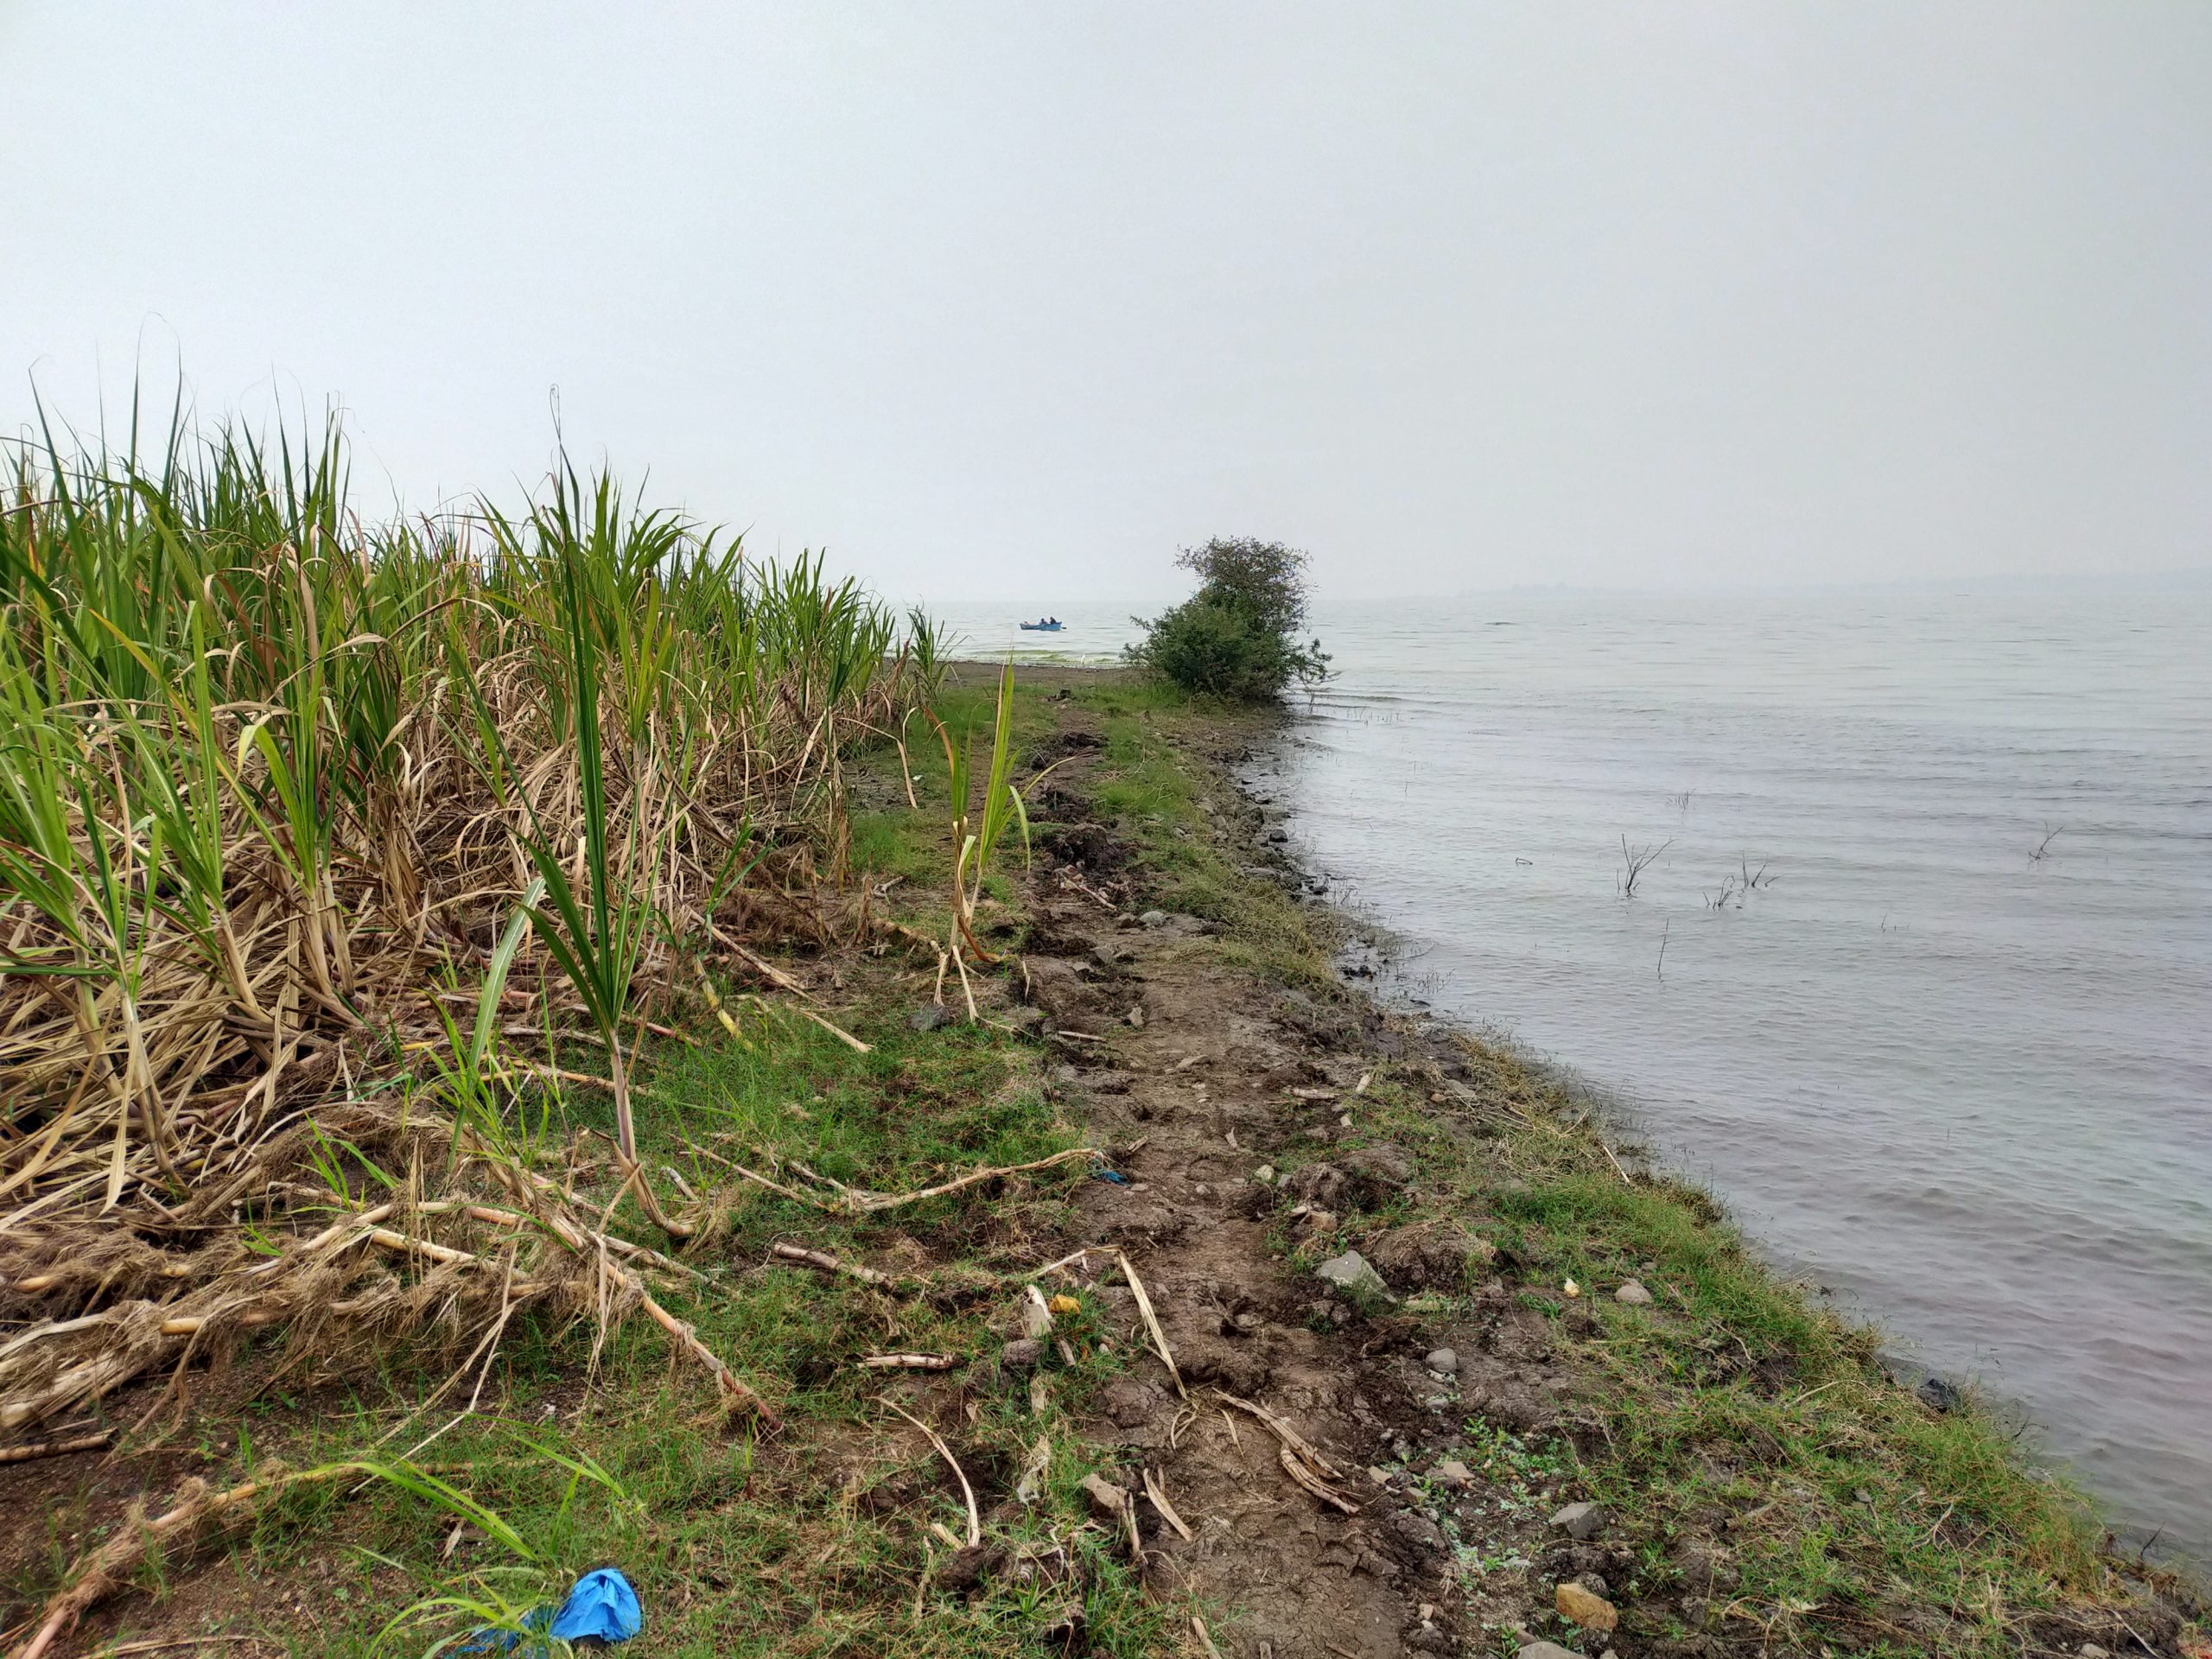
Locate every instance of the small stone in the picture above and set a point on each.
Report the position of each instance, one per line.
(1381, 1477)
(1545, 1650)
(1590, 1611)
(1155, 919)
(1453, 1473)
(1265, 1174)
(929, 1017)
(1351, 1274)
(1633, 1292)
(1580, 1521)
(1022, 1354)
(2092, 1650)
(1108, 1499)
(1136, 1016)
(1315, 1222)
(1442, 1359)
(1595, 1584)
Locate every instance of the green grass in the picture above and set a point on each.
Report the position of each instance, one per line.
(811, 1540)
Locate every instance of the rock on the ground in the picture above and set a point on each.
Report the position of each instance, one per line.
(1443, 1360)
(1022, 1354)
(929, 1017)
(1454, 1474)
(1155, 919)
(1351, 1274)
(1633, 1292)
(1580, 1520)
(1590, 1611)
(1545, 1650)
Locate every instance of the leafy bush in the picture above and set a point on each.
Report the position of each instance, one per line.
(1238, 635)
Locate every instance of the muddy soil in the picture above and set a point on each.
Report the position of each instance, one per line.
(1216, 1080)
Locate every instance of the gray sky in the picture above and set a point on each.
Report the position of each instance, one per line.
(1016, 297)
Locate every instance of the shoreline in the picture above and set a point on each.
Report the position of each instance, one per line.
(1585, 1110)
(1359, 1340)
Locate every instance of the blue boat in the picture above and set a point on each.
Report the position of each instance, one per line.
(1050, 625)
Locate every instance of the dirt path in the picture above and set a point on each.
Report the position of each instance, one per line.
(1216, 1080)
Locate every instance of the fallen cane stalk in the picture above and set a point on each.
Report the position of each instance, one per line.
(822, 1261)
(908, 1362)
(1151, 1323)
(974, 1517)
(98, 1442)
(1295, 1468)
(1158, 1493)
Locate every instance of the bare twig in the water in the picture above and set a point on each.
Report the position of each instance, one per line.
(974, 1517)
(2051, 833)
(1637, 861)
(1665, 933)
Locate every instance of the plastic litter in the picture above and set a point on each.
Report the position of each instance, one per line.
(602, 1607)
(1113, 1175)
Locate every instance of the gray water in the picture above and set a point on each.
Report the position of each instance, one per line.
(1966, 1087)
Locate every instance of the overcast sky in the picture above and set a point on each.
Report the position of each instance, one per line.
(1017, 297)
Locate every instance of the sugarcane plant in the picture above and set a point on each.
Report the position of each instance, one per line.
(978, 828)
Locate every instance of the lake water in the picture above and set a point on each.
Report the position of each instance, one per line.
(1951, 1057)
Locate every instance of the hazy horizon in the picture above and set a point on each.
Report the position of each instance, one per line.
(987, 300)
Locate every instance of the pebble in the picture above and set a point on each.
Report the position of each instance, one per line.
(929, 1017)
(1021, 1353)
(1580, 1521)
(1592, 1611)
(1442, 1359)
(1545, 1650)
(1352, 1273)
(1265, 1174)
(1155, 919)
(1633, 1292)
(1453, 1473)
(2092, 1650)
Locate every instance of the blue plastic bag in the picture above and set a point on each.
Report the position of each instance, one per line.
(602, 1605)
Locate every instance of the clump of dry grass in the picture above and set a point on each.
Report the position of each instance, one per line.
(313, 834)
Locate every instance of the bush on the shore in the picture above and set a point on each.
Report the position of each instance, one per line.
(1236, 637)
